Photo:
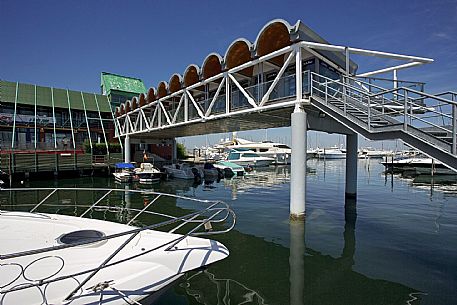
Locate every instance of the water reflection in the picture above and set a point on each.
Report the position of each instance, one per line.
(258, 272)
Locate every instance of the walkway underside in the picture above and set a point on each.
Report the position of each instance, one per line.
(249, 121)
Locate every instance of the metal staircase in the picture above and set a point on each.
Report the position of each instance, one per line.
(424, 121)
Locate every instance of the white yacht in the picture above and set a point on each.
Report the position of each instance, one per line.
(369, 152)
(280, 153)
(183, 171)
(420, 165)
(59, 259)
(332, 153)
(248, 158)
(148, 173)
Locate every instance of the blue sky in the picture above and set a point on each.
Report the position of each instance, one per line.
(68, 43)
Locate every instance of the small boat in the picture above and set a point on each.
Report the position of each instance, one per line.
(183, 171)
(374, 153)
(332, 153)
(230, 169)
(248, 158)
(60, 259)
(424, 166)
(148, 173)
(211, 172)
(124, 172)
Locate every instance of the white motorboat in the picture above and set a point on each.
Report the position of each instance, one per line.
(371, 153)
(425, 166)
(332, 153)
(280, 153)
(230, 168)
(148, 173)
(183, 171)
(248, 158)
(124, 172)
(59, 259)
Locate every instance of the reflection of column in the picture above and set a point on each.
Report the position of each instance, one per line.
(297, 263)
(350, 217)
(128, 203)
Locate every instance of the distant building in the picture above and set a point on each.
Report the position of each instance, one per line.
(38, 118)
(120, 88)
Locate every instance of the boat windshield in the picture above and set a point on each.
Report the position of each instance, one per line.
(234, 156)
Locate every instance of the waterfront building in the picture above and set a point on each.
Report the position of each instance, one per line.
(53, 129)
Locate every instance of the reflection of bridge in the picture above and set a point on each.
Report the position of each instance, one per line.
(293, 77)
(305, 275)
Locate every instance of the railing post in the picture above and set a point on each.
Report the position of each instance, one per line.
(454, 125)
(326, 92)
(369, 113)
(405, 120)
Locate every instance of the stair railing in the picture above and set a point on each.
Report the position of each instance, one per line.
(429, 113)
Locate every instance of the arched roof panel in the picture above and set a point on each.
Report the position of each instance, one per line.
(212, 65)
(142, 100)
(191, 75)
(162, 89)
(238, 53)
(134, 103)
(274, 35)
(175, 83)
(151, 96)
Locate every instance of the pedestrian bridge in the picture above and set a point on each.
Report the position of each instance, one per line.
(288, 70)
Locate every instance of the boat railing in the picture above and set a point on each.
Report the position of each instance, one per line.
(200, 222)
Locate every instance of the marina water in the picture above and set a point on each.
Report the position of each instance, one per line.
(396, 245)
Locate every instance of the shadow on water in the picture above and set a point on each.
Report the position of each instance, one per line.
(262, 272)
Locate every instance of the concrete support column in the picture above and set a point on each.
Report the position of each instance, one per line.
(351, 165)
(298, 165)
(127, 158)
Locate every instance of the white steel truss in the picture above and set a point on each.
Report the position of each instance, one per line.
(426, 122)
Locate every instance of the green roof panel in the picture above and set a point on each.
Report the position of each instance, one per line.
(44, 95)
(121, 83)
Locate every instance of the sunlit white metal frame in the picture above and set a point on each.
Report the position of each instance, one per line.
(154, 116)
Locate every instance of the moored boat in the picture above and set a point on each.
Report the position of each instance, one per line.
(183, 171)
(60, 259)
(230, 168)
(148, 173)
(248, 158)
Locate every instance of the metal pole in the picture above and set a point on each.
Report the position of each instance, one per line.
(71, 122)
(227, 94)
(395, 79)
(454, 126)
(346, 51)
(35, 121)
(369, 113)
(298, 162)
(87, 123)
(127, 149)
(186, 108)
(54, 118)
(101, 122)
(405, 120)
(351, 165)
(13, 138)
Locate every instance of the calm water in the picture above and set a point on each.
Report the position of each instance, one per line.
(396, 245)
